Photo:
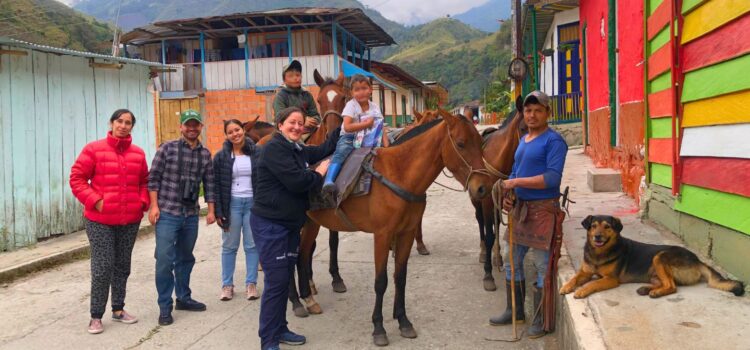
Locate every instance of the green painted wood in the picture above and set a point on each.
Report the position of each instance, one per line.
(653, 5)
(24, 148)
(660, 127)
(6, 173)
(689, 5)
(718, 207)
(661, 175)
(73, 109)
(658, 41)
(42, 115)
(660, 83)
(718, 79)
(57, 185)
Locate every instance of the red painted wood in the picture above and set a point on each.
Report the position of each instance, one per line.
(660, 151)
(730, 175)
(659, 62)
(726, 42)
(659, 19)
(660, 103)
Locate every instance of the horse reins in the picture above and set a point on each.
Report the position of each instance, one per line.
(472, 171)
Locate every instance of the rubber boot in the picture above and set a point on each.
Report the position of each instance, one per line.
(506, 317)
(536, 330)
(333, 172)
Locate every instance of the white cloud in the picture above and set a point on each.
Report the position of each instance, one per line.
(421, 11)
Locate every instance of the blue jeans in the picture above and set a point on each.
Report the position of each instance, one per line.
(541, 259)
(239, 225)
(175, 240)
(344, 147)
(278, 247)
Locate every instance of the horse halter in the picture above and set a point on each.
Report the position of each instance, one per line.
(472, 171)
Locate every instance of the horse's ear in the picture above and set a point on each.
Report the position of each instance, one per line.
(519, 104)
(446, 115)
(318, 78)
(340, 79)
(255, 119)
(418, 116)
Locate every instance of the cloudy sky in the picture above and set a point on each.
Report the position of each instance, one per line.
(420, 11)
(411, 11)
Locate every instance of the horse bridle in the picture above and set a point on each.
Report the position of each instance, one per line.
(472, 171)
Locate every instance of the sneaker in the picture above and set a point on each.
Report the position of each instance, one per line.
(227, 293)
(165, 318)
(291, 338)
(274, 347)
(96, 326)
(252, 292)
(190, 305)
(124, 317)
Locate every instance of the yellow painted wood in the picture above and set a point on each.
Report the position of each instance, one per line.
(567, 71)
(569, 85)
(726, 109)
(712, 15)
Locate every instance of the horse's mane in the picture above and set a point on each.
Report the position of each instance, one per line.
(507, 120)
(416, 131)
(328, 81)
(262, 125)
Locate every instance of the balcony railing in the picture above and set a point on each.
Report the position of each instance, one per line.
(566, 108)
(230, 75)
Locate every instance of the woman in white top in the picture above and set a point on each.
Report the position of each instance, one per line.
(234, 198)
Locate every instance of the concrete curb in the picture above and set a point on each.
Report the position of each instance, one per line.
(577, 325)
(70, 254)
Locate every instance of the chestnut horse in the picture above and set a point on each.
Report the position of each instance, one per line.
(498, 150)
(409, 168)
(331, 99)
(256, 129)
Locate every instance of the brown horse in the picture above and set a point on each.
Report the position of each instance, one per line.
(411, 166)
(331, 99)
(428, 116)
(498, 150)
(256, 129)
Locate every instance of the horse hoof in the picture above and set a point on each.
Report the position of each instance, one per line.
(313, 288)
(408, 332)
(300, 311)
(489, 284)
(339, 286)
(423, 250)
(314, 309)
(380, 339)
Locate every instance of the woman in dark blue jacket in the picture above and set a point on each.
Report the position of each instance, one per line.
(282, 183)
(234, 198)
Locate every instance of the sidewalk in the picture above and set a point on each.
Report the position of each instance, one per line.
(56, 251)
(696, 317)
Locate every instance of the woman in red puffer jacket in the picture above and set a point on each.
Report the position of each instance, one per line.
(110, 179)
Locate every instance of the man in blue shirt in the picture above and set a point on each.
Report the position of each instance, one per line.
(537, 171)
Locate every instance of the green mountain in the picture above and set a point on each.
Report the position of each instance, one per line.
(49, 22)
(450, 52)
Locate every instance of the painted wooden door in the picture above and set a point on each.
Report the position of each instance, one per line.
(169, 116)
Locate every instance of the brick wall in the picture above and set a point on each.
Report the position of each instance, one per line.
(234, 104)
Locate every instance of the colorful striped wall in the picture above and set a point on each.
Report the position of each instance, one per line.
(708, 161)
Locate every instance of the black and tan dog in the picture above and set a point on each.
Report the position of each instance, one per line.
(617, 260)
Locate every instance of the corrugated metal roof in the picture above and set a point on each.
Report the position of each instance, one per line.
(353, 20)
(60, 51)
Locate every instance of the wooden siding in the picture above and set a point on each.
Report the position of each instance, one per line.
(51, 106)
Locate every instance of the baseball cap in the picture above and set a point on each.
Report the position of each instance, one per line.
(190, 114)
(537, 97)
(294, 65)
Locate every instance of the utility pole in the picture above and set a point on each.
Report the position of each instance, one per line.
(516, 42)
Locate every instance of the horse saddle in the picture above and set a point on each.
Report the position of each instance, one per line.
(486, 133)
(351, 182)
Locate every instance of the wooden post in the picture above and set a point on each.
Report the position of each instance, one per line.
(203, 60)
(335, 50)
(247, 62)
(289, 42)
